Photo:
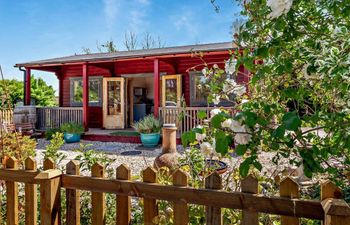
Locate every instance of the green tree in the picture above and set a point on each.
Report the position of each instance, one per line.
(42, 94)
(299, 102)
(12, 89)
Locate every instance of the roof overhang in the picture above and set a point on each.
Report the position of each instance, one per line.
(165, 53)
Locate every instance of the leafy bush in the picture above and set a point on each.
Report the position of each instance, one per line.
(72, 128)
(148, 125)
(52, 149)
(88, 157)
(18, 146)
(50, 132)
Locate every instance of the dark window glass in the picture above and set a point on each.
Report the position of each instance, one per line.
(95, 91)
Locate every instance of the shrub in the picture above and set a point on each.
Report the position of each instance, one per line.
(52, 149)
(72, 128)
(50, 132)
(148, 125)
(18, 146)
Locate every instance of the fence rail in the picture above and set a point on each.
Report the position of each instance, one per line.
(288, 205)
(6, 115)
(53, 117)
(185, 118)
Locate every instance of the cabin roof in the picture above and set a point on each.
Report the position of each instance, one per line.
(213, 47)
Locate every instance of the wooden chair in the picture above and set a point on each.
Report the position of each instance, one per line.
(27, 129)
(23, 128)
(9, 127)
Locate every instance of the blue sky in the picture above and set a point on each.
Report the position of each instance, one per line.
(40, 29)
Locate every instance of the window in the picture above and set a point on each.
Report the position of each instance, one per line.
(199, 92)
(95, 91)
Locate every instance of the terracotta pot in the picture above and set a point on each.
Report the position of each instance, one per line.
(220, 166)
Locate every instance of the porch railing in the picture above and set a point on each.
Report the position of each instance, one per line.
(6, 115)
(185, 118)
(52, 117)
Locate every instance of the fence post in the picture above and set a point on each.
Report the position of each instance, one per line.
(49, 164)
(73, 196)
(98, 199)
(337, 211)
(150, 205)
(289, 189)
(249, 185)
(213, 214)
(123, 202)
(31, 197)
(50, 197)
(12, 194)
(180, 208)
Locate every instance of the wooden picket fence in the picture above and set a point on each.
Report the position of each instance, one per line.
(330, 209)
(6, 115)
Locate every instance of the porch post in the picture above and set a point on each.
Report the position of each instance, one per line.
(156, 78)
(60, 88)
(27, 93)
(85, 96)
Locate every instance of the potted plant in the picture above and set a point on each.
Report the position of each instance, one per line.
(72, 132)
(149, 129)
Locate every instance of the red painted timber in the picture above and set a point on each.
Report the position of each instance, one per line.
(112, 138)
(156, 78)
(28, 91)
(85, 96)
(183, 66)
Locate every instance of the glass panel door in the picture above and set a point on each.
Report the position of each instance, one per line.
(113, 103)
(113, 98)
(171, 90)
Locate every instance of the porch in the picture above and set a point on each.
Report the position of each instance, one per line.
(185, 119)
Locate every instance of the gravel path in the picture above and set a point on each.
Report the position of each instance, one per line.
(141, 157)
(133, 155)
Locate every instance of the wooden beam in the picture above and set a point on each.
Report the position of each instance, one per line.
(27, 85)
(85, 96)
(188, 195)
(156, 79)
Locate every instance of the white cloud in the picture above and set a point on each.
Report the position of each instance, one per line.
(137, 21)
(144, 2)
(185, 22)
(111, 8)
(138, 13)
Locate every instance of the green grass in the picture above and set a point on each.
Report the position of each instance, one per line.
(125, 133)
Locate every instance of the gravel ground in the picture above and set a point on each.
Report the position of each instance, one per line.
(142, 157)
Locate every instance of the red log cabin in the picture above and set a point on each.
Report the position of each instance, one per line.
(112, 90)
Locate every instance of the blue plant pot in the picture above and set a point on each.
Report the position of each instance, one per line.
(150, 140)
(71, 138)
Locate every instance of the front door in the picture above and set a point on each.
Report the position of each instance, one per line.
(113, 103)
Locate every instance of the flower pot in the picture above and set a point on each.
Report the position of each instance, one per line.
(220, 166)
(71, 138)
(150, 140)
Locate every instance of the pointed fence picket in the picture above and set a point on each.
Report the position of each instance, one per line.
(181, 216)
(98, 198)
(123, 202)
(31, 197)
(331, 209)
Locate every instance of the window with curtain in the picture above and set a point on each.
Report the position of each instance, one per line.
(95, 91)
